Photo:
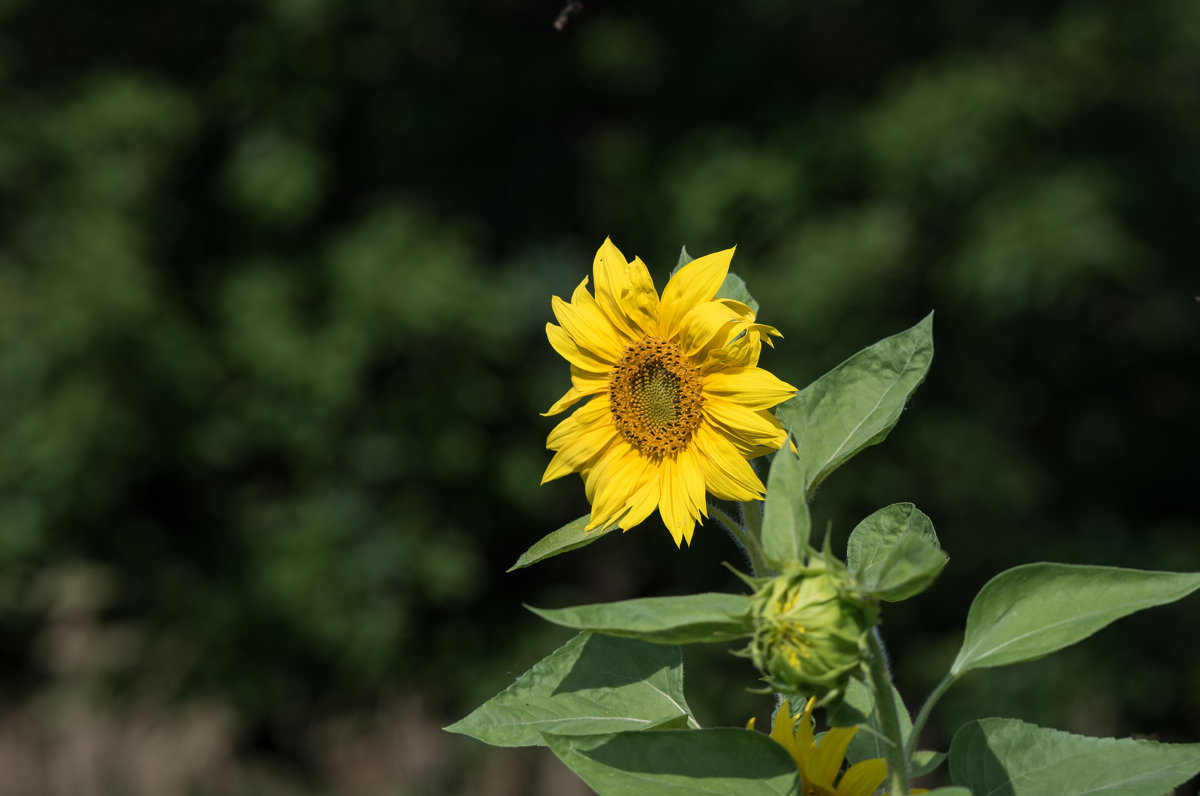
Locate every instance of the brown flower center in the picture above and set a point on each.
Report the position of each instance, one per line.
(656, 397)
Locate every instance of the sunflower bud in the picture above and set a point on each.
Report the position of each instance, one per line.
(810, 630)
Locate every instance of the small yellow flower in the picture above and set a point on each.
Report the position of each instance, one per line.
(676, 401)
(820, 762)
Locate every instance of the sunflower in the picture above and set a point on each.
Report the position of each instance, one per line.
(820, 762)
(676, 401)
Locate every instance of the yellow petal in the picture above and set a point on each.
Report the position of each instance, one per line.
(753, 427)
(588, 383)
(580, 439)
(782, 731)
(588, 325)
(596, 410)
(677, 504)
(640, 301)
(569, 399)
(612, 482)
(741, 349)
(727, 474)
(562, 464)
(694, 283)
(804, 726)
(704, 324)
(864, 778)
(620, 283)
(691, 475)
(753, 388)
(567, 348)
(826, 760)
(587, 303)
(645, 497)
(578, 447)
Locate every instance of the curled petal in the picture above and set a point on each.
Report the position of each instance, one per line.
(712, 322)
(694, 283)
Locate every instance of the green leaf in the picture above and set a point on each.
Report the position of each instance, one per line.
(571, 536)
(857, 403)
(786, 521)
(719, 761)
(894, 553)
(684, 259)
(1007, 757)
(688, 619)
(735, 288)
(590, 685)
(923, 761)
(1032, 610)
(950, 791)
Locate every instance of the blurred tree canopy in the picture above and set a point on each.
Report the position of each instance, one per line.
(273, 277)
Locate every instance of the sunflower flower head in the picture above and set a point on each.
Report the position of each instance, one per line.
(676, 404)
(810, 629)
(820, 761)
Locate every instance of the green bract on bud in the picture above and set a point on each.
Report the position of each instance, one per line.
(810, 630)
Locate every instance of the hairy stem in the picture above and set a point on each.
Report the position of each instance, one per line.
(889, 720)
(752, 517)
(749, 542)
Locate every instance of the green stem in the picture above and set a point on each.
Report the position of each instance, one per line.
(752, 514)
(889, 720)
(747, 541)
(926, 709)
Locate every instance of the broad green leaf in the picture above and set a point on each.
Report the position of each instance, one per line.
(688, 619)
(1032, 610)
(871, 540)
(894, 553)
(569, 537)
(952, 790)
(1007, 757)
(857, 403)
(719, 761)
(590, 685)
(786, 520)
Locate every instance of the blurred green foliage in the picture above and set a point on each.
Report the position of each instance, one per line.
(273, 277)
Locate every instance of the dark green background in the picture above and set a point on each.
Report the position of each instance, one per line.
(273, 282)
